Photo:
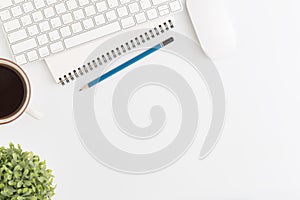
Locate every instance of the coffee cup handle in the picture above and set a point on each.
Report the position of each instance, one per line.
(34, 113)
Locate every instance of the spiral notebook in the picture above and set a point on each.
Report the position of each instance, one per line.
(66, 73)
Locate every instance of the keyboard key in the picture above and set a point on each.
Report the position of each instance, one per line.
(164, 12)
(175, 6)
(37, 16)
(55, 22)
(88, 24)
(145, 4)
(17, 36)
(72, 4)
(93, 34)
(99, 19)
(28, 7)
(60, 8)
(33, 30)
(44, 51)
(140, 18)
(49, 12)
(5, 15)
(163, 7)
(5, 4)
(67, 18)
(12, 25)
(24, 46)
(16, 11)
(19, 1)
(128, 22)
(101, 7)
(65, 31)
(54, 35)
(26, 20)
(90, 10)
(21, 59)
(32, 56)
(44, 26)
(112, 3)
(76, 27)
(43, 39)
(83, 2)
(56, 47)
(111, 15)
(134, 7)
(39, 4)
(156, 2)
(78, 14)
(50, 2)
(152, 14)
(124, 1)
(122, 12)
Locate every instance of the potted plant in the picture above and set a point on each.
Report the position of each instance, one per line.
(23, 176)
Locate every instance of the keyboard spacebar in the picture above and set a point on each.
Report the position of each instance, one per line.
(91, 35)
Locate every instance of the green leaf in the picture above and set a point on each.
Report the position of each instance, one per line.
(26, 171)
(20, 191)
(15, 157)
(20, 183)
(20, 198)
(11, 183)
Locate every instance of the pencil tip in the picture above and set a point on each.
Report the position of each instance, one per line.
(83, 88)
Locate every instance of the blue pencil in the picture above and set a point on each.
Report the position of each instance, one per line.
(127, 64)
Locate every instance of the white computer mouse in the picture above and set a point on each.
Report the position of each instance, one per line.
(213, 27)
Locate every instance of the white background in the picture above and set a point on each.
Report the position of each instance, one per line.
(258, 155)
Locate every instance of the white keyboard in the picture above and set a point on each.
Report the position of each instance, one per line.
(36, 29)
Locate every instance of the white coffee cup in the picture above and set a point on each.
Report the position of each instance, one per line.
(10, 67)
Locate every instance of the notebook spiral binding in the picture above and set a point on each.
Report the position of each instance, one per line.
(118, 51)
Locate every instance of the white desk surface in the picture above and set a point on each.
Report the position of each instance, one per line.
(258, 155)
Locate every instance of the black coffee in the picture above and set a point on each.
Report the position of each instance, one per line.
(12, 91)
